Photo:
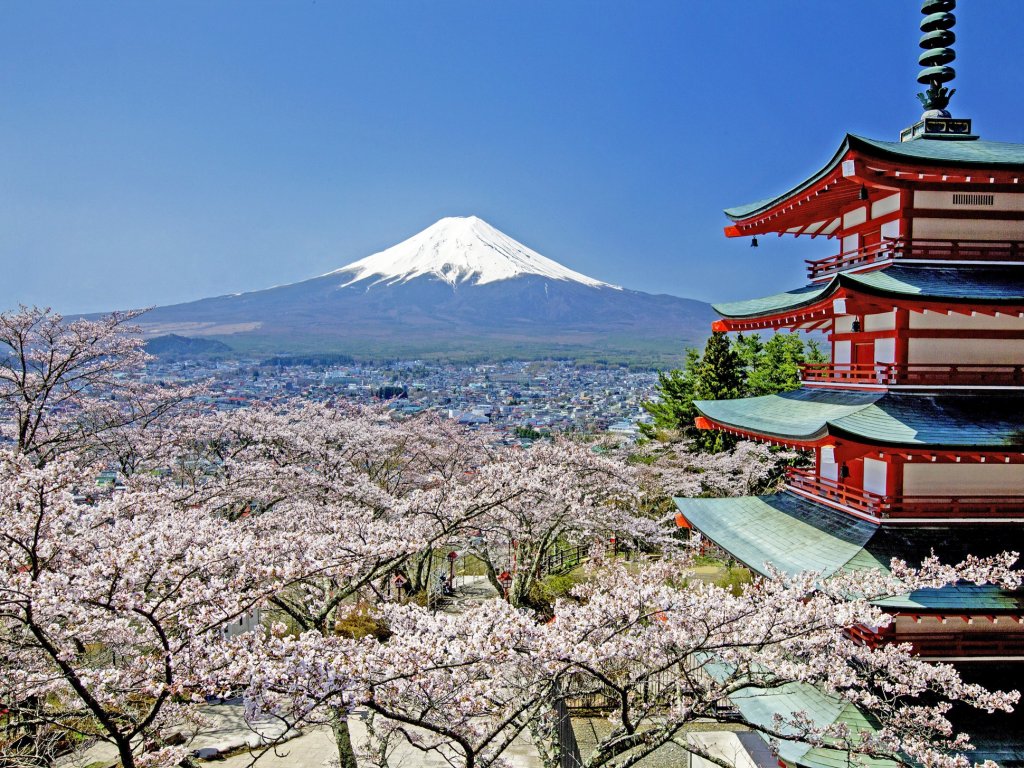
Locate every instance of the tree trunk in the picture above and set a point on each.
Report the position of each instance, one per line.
(343, 739)
(124, 751)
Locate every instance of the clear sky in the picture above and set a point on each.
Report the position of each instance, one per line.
(157, 152)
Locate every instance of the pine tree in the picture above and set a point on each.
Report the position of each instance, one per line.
(777, 367)
(674, 410)
(745, 367)
(715, 375)
(719, 377)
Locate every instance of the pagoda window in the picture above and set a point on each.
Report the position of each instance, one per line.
(968, 201)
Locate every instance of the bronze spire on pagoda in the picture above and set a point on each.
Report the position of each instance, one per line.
(937, 40)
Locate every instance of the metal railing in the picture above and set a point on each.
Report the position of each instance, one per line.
(564, 560)
(879, 507)
(925, 250)
(915, 374)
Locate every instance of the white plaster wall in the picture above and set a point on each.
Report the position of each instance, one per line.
(884, 321)
(966, 322)
(829, 470)
(875, 476)
(967, 229)
(885, 205)
(855, 217)
(891, 228)
(841, 352)
(851, 243)
(963, 479)
(885, 350)
(844, 324)
(966, 351)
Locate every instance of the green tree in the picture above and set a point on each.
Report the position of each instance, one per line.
(749, 348)
(719, 377)
(715, 375)
(744, 367)
(777, 367)
(674, 409)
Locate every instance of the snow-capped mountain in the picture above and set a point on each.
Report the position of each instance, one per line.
(459, 289)
(457, 250)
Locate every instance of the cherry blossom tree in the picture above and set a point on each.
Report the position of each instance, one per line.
(364, 496)
(64, 383)
(661, 651)
(664, 651)
(109, 612)
(565, 494)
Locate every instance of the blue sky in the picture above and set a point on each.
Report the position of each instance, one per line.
(156, 152)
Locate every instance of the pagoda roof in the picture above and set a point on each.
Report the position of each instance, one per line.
(959, 284)
(808, 415)
(996, 736)
(759, 706)
(971, 153)
(795, 535)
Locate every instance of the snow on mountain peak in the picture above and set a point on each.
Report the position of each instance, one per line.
(458, 249)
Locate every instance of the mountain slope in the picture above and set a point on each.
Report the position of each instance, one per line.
(460, 288)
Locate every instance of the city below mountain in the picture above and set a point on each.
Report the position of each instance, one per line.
(458, 290)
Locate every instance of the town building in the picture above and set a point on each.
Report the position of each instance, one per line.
(916, 425)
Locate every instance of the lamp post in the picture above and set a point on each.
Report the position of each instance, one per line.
(505, 579)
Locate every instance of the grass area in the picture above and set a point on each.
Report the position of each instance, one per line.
(470, 565)
(640, 353)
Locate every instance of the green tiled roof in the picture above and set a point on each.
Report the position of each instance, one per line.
(782, 530)
(794, 535)
(996, 736)
(955, 284)
(977, 153)
(759, 706)
(881, 418)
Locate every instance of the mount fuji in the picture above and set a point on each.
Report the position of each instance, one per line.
(459, 289)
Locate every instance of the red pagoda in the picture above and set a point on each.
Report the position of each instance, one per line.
(917, 424)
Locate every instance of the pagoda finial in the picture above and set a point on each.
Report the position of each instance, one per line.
(938, 36)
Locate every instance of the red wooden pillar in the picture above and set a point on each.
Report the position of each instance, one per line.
(902, 345)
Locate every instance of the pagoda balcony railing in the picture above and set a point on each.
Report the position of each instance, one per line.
(924, 250)
(880, 507)
(915, 374)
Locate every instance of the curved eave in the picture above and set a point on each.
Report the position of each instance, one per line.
(933, 288)
(794, 535)
(806, 418)
(743, 212)
(812, 205)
